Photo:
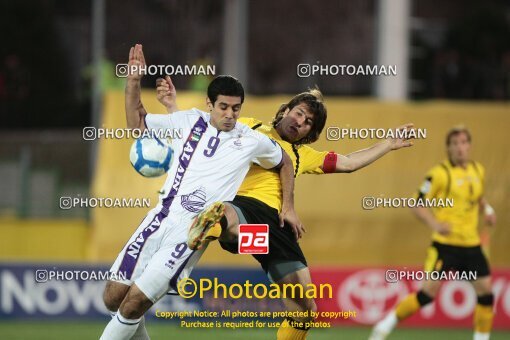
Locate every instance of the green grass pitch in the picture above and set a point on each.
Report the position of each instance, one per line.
(51, 330)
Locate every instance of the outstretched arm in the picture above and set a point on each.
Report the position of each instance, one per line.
(135, 112)
(359, 159)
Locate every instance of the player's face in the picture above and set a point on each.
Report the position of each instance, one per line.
(459, 148)
(225, 112)
(296, 123)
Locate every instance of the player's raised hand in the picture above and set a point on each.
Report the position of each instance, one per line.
(166, 93)
(136, 63)
(402, 138)
(291, 217)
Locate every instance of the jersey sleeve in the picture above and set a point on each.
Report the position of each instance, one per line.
(311, 160)
(434, 184)
(268, 153)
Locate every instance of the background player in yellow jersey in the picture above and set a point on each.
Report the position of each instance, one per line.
(259, 199)
(455, 238)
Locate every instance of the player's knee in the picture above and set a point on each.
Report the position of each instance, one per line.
(135, 304)
(483, 287)
(312, 310)
(486, 299)
(431, 289)
(312, 306)
(110, 303)
(424, 298)
(309, 307)
(132, 308)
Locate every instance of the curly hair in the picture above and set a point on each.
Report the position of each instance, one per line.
(314, 101)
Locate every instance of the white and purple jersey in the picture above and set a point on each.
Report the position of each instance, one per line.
(210, 165)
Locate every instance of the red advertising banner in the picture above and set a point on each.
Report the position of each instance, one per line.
(372, 293)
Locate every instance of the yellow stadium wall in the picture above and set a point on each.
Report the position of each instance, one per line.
(339, 231)
(43, 240)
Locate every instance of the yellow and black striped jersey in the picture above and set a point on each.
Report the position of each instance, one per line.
(465, 186)
(265, 185)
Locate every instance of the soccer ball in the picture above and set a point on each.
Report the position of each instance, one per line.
(151, 157)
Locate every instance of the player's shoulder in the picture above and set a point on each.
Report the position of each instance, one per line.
(251, 122)
(191, 113)
(306, 150)
(242, 126)
(478, 167)
(439, 171)
(245, 127)
(190, 116)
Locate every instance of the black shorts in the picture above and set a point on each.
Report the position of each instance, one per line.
(282, 242)
(443, 257)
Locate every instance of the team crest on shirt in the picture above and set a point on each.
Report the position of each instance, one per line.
(237, 144)
(195, 201)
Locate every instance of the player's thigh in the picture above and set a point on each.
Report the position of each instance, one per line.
(294, 281)
(483, 285)
(139, 249)
(476, 262)
(114, 293)
(173, 262)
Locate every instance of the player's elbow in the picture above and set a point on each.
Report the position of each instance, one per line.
(136, 124)
(346, 167)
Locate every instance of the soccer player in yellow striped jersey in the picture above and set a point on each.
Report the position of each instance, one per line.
(258, 201)
(261, 184)
(455, 238)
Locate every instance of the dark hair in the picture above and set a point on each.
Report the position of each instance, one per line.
(455, 131)
(225, 86)
(314, 101)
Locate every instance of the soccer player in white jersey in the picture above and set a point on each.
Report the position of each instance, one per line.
(209, 166)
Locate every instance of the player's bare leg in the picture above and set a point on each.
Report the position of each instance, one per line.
(230, 229)
(126, 322)
(113, 295)
(405, 308)
(484, 314)
(297, 328)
